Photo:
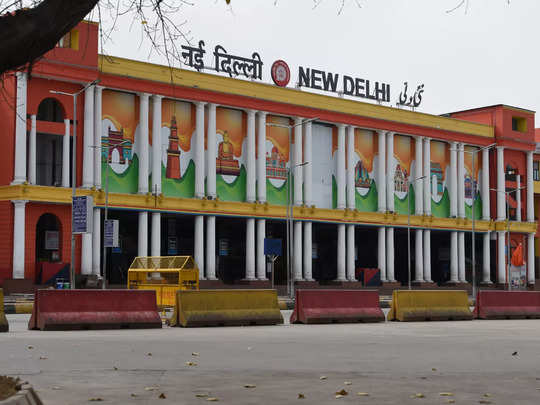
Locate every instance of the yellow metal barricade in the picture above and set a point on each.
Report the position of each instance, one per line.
(165, 275)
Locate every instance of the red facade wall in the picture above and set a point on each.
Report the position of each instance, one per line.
(7, 118)
(6, 240)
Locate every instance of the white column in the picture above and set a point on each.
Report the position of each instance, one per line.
(308, 252)
(143, 143)
(340, 164)
(297, 160)
(530, 188)
(530, 259)
(250, 159)
(98, 96)
(308, 169)
(501, 258)
(341, 253)
(96, 242)
(88, 140)
(381, 253)
(199, 150)
(32, 151)
(381, 172)
(65, 154)
(211, 155)
(20, 130)
(461, 257)
(156, 144)
(454, 277)
(501, 207)
(453, 180)
(485, 185)
(390, 255)
(390, 185)
(418, 189)
(211, 248)
(261, 158)
(198, 249)
(486, 265)
(427, 185)
(351, 202)
(419, 259)
(350, 253)
(19, 219)
(86, 253)
(297, 250)
(261, 258)
(427, 256)
(155, 245)
(142, 241)
(518, 198)
(250, 249)
(461, 181)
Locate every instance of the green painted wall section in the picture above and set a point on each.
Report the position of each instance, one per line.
(400, 205)
(184, 187)
(368, 202)
(277, 195)
(477, 209)
(441, 209)
(127, 182)
(236, 191)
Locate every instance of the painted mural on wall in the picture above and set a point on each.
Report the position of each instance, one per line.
(472, 183)
(440, 168)
(230, 162)
(402, 166)
(277, 160)
(177, 148)
(365, 163)
(119, 134)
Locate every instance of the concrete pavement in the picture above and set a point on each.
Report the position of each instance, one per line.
(389, 361)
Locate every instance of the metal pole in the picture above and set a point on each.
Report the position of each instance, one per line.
(508, 242)
(473, 234)
(290, 280)
(409, 233)
(73, 188)
(104, 279)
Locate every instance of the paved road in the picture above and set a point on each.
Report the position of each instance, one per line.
(390, 361)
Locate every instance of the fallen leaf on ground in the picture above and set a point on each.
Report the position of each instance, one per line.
(201, 395)
(347, 383)
(322, 377)
(487, 395)
(134, 395)
(433, 369)
(249, 385)
(149, 354)
(446, 394)
(362, 394)
(301, 396)
(515, 354)
(212, 399)
(30, 347)
(150, 388)
(190, 363)
(96, 399)
(43, 358)
(484, 401)
(451, 401)
(418, 395)
(56, 387)
(194, 354)
(339, 396)
(162, 396)
(342, 392)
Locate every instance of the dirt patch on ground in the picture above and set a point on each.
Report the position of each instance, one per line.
(8, 386)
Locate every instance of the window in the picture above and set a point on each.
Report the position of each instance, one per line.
(536, 171)
(519, 124)
(50, 110)
(49, 159)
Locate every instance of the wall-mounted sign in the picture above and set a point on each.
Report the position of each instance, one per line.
(51, 240)
(81, 211)
(280, 72)
(111, 232)
(412, 101)
(172, 245)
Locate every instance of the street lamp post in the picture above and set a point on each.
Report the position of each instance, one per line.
(409, 182)
(74, 172)
(289, 212)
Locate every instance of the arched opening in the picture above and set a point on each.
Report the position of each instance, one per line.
(48, 239)
(50, 110)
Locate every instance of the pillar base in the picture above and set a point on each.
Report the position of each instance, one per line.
(424, 284)
(306, 284)
(453, 284)
(239, 284)
(487, 284)
(531, 286)
(391, 284)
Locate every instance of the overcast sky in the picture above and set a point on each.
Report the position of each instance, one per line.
(488, 55)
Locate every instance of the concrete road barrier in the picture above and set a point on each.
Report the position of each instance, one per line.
(430, 305)
(4, 326)
(94, 309)
(334, 306)
(507, 304)
(226, 308)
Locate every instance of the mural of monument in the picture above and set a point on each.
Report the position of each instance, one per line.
(437, 176)
(361, 176)
(276, 165)
(114, 141)
(173, 152)
(226, 164)
(400, 179)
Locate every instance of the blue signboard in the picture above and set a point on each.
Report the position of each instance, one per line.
(272, 247)
(82, 209)
(110, 235)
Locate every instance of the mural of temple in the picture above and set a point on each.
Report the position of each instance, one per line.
(226, 164)
(400, 179)
(276, 165)
(115, 141)
(469, 184)
(436, 171)
(173, 153)
(361, 176)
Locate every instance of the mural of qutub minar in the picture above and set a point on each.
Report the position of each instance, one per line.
(173, 153)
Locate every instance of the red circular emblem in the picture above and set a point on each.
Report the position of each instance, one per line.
(280, 73)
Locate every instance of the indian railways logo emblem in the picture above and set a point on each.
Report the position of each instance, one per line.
(281, 73)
